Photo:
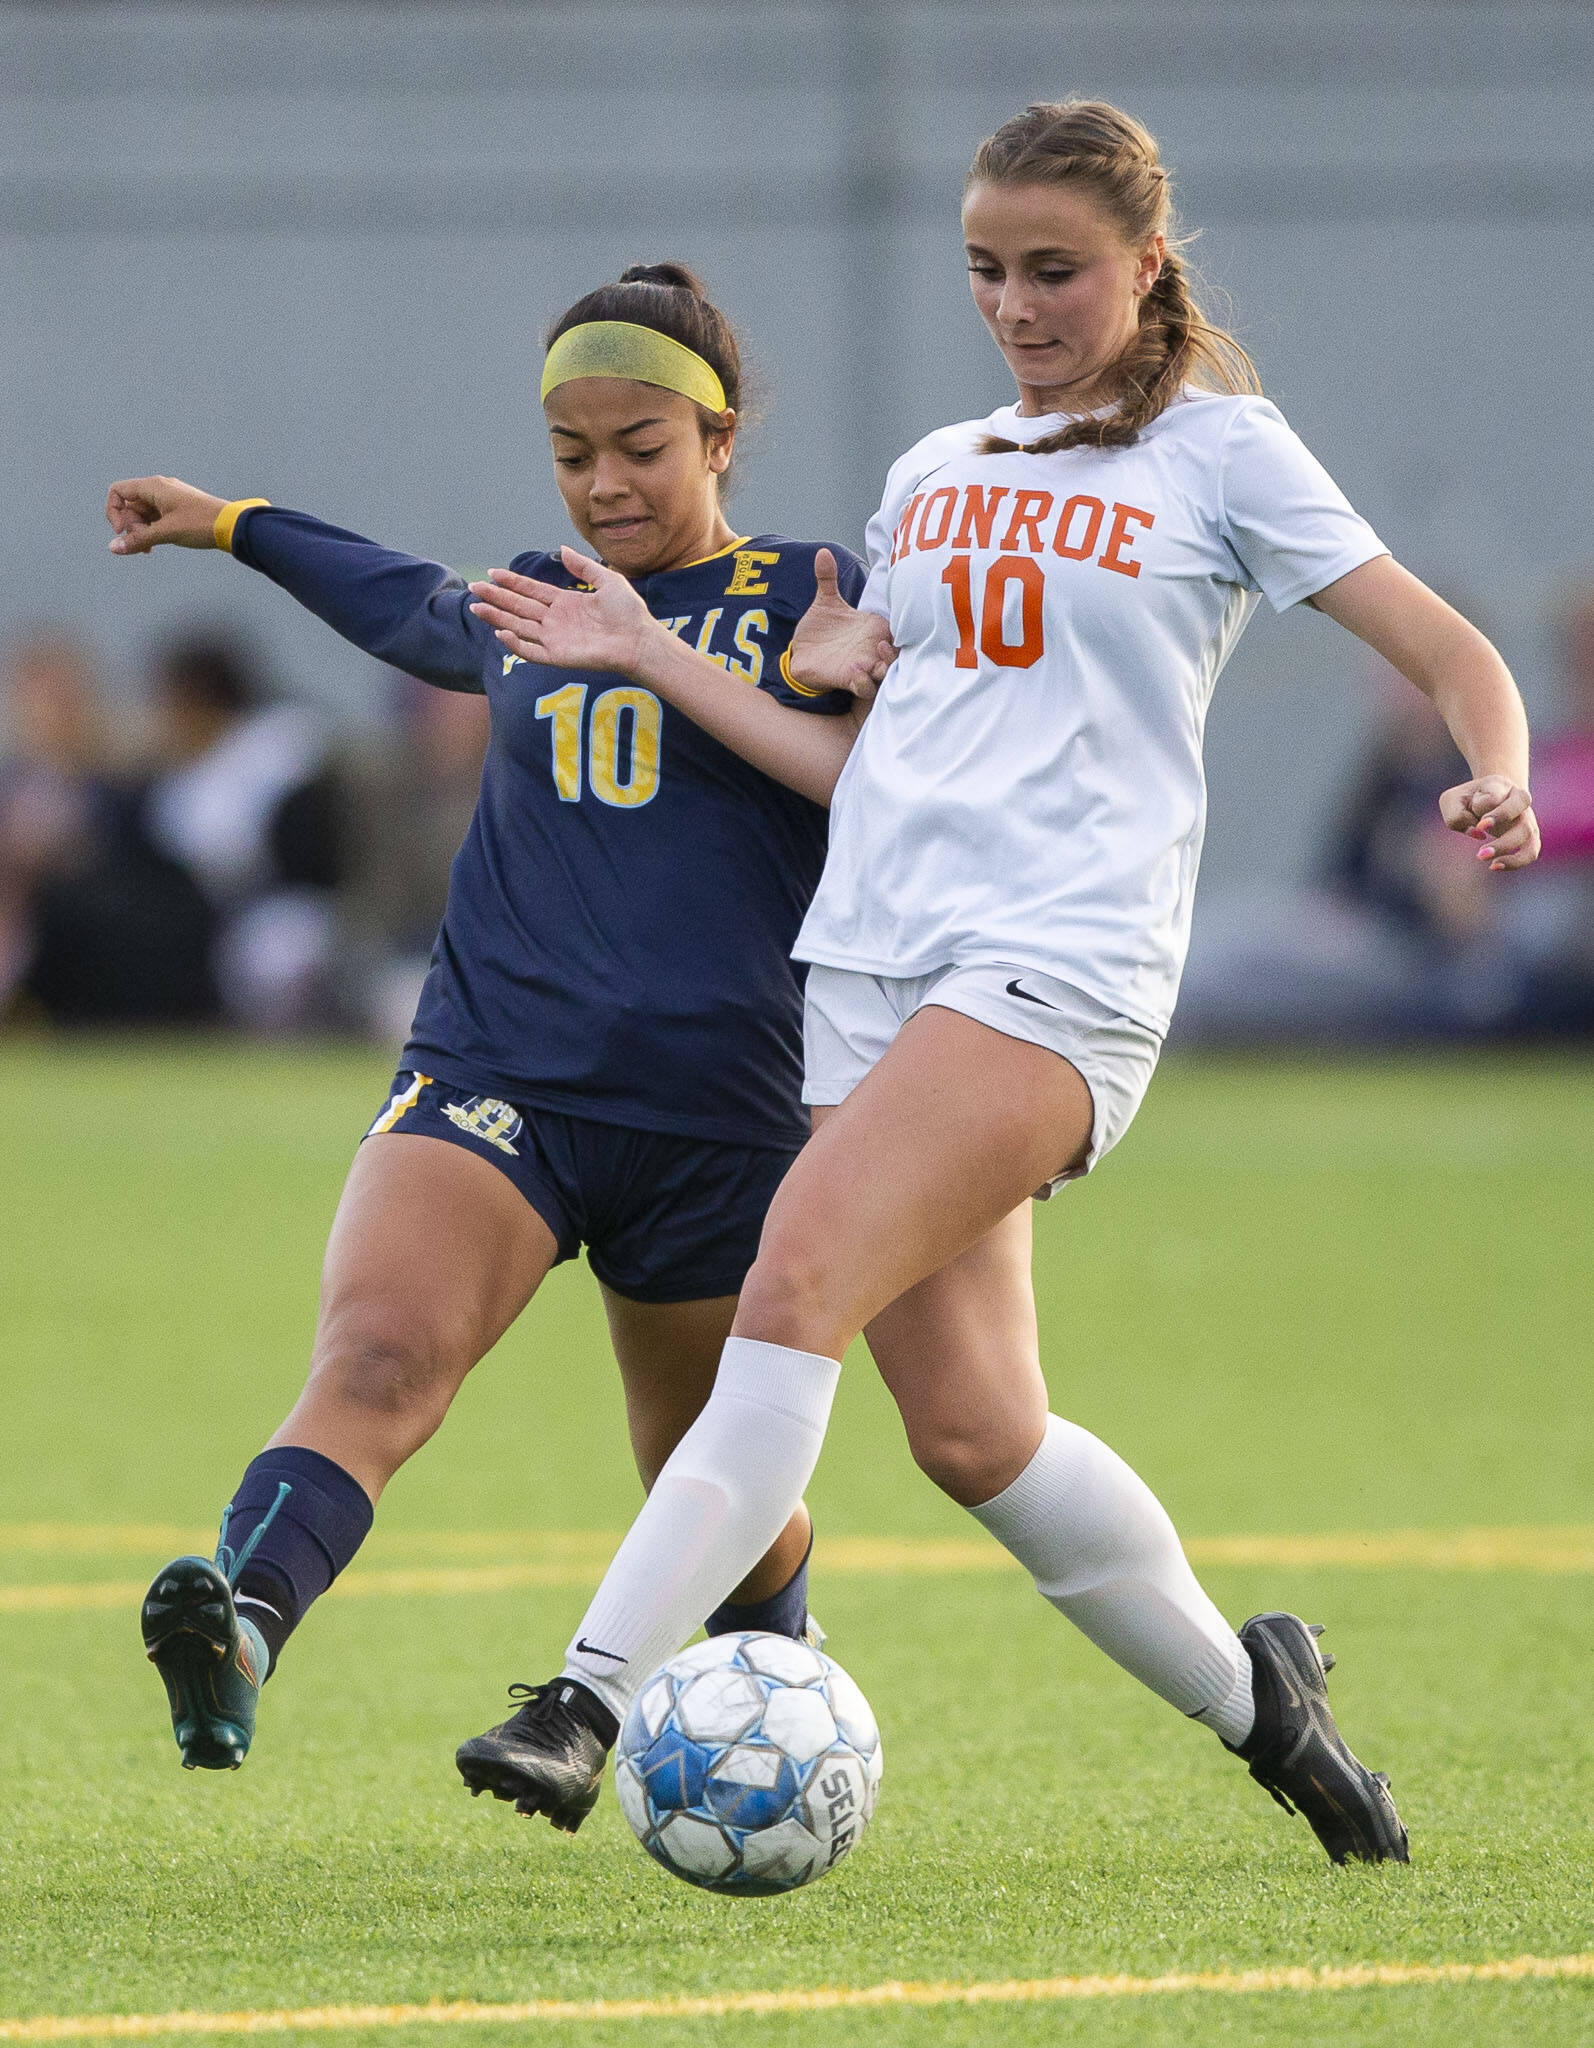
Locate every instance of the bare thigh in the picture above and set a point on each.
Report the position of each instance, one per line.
(668, 1354)
(433, 1254)
(948, 1134)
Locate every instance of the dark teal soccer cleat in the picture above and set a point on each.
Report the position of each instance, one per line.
(213, 1663)
(211, 1660)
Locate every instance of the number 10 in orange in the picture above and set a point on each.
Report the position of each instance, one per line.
(1030, 646)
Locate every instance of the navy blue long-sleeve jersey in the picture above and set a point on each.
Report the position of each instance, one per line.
(620, 917)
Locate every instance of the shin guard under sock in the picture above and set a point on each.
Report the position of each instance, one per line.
(1102, 1550)
(725, 1494)
(310, 1517)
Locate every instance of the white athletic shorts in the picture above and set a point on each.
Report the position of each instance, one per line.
(850, 1018)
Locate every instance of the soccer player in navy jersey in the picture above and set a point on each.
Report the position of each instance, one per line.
(608, 1048)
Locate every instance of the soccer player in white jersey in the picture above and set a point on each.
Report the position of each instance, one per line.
(998, 935)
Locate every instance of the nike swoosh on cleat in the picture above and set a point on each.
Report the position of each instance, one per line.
(591, 1650)
(1024, 996)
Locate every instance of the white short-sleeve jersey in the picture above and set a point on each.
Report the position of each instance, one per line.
(1029, 785)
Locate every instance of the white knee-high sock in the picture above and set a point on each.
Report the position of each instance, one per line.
(1103, 1552)
(724, 1496)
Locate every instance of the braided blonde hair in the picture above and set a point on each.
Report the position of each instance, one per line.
(1108, 151)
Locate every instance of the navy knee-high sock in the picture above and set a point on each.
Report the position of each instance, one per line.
(308, 1517)
(783, 1614)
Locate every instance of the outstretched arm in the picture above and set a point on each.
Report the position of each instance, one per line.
(609, 627)
(1452, 663)
(399, 608)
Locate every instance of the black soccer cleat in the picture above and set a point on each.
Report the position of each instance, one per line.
(1296, 1752)
(547, 1758)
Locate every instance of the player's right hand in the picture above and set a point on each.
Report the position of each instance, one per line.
(836, 647)
(602, 624)
(160, 511)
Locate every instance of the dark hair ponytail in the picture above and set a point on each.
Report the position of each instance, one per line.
(671, 300)
(1109, 152)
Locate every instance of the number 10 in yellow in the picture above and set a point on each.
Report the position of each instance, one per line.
(607, 728)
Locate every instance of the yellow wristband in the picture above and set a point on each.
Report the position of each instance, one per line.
(791, 681)
(227, 518)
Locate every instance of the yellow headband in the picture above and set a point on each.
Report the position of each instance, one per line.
(620, 348)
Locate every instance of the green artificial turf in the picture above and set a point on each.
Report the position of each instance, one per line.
(1301, 1298)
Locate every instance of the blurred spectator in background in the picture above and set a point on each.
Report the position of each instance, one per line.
(252, 872)
(47, 783)
(1394, 937)
(96, 927)
(1564, 762)
(201, 885)
(1430, 913)
(1380, 852)
(1550, 927)
(247, 801)
(1402, 934)
(414, 799)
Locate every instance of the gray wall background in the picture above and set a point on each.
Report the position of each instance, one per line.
(307, 254)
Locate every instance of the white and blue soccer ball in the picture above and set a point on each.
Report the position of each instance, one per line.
(749, 1764)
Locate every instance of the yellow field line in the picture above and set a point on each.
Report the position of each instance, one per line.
(1452, 1550)
(64, 1599)
(165, 1539)
(837, 1998)
(1567, 1549)
(503, 1578)
(95, 1539)
(566, 1559)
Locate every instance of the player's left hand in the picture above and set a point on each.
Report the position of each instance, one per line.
(1492, 810)
(602, 627)
(836, 646)
(149, 512)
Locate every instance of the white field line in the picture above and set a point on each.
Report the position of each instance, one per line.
(838, 1998)
(565, 1559)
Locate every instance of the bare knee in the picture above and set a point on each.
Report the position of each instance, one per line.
(790, 1298)
(399, 1379)
(969, 1462)
(957, 1462)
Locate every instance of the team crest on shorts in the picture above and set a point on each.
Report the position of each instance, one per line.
(485, 1117)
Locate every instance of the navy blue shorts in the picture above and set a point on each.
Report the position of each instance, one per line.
(663, 1218)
